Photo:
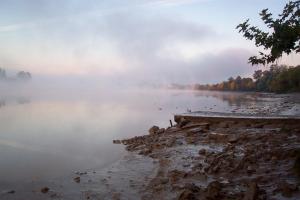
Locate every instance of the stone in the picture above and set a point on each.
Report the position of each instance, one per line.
(45, 190)
(187, 195)
(213, 190)
(252, 192)
(287, 189)
(117, 141)
(161, 130)
(145, 152)
(223, 125)
(233, 138)
(77, 179)
(153, 130)
(191, 192)
(218, 137)
(182, 122)
(202, 152)
(250, 169)
(176, 175)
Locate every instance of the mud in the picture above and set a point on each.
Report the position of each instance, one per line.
(222, 159)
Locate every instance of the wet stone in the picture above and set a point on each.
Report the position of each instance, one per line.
(45, 190)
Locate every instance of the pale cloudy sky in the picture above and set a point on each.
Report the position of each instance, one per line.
(142, 40)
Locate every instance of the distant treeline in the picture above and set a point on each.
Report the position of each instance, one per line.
(279, 79)
(21, 75)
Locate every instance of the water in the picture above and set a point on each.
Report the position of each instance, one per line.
(49, 134)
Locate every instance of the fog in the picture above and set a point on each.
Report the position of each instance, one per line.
(127, 43)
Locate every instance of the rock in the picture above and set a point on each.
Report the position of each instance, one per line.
(191, 192)
(187, 195)
(153, 130)
(233, 138)
(160, 131)
(117, 141)
(171, 141)
(218, 137)
(252, 192)
(164, 180)
(287, 189)
(274, 158)
(116, 196)
(201, 126)
(194, 132)
(258, 125)
(296, 167)
(250, 169)
(191, 140)
(77, 179)
(176, 175)
(202, 152)
(145, 152)
(182, 122)
(213, 190)
(81, 173)
(45, 190)
(11, 192)
(223, 125)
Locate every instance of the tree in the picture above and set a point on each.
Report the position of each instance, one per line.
(283, 37)
(23, 75)
(2, 74)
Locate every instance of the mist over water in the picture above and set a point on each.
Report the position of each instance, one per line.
(48, 131)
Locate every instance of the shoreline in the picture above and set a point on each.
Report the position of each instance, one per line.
(211, 158)
(198, 158)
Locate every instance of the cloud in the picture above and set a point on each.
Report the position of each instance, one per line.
(130, 42)
(208, 68)
(142, 38)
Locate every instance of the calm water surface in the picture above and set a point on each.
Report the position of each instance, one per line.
(49, 134)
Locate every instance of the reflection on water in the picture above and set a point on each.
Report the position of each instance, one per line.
(44, 136)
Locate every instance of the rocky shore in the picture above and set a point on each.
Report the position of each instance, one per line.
(216, 159)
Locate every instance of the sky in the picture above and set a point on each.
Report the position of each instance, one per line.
(137, 41)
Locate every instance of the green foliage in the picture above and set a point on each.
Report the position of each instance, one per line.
(283, 37)
(277, 79)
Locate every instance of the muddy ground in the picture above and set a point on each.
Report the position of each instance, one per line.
(227, 159)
